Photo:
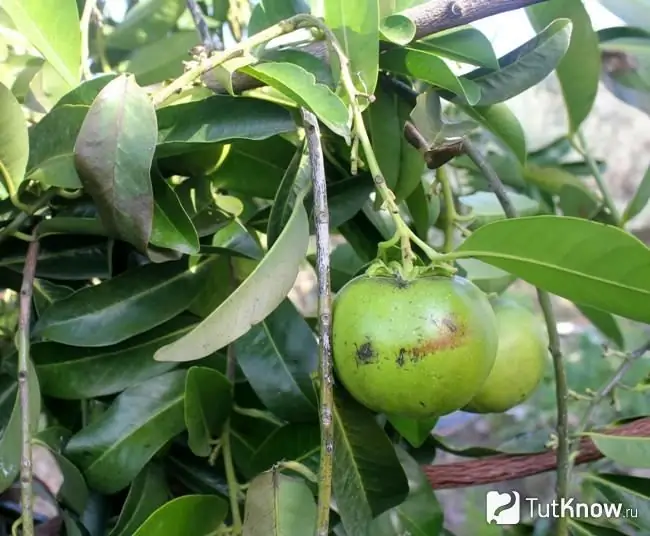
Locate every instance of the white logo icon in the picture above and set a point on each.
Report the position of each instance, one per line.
(502, 508)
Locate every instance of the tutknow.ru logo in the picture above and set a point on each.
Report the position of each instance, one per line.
(505, 509)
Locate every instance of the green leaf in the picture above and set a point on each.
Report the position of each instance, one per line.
(172, 227)
(52, 140)
(147, 493)
(269, 12)
(293, 188)
(500, 120)
(344, 264)
(219, 119)
(113, 156)
(147, 21)
(54, 30)
(208, 399)
(486, 207)
(424, 208)
(640, 199)
(627, 451)
(302, 87)
(113, 449)
(198, 515)
(151, 67)
(606, 323)
(522, 68)
(14, 141)
(571, 258)
(464, 44)
(10, 442)
(413, 430)
(633, 12)
(258, 296)
(630, 494)
(411, 169)
(254, 168)
(299, 442)
(386, 127)
(579, 201)
(581, 57)
(419, 515)
(46, 293)
(426, 66)
(356, 27)
(75, 373)
(346, 198)
(86, 92)
(127, 305)
(585, 528)
(367, 476)
(278, 357)
(279, 505)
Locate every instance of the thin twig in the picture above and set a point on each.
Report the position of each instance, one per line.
(26, 291)
(209, 42)
(604, 392)
(583, 149)
(86, 17)
(18, 221)
(561, 384)
(326, 379)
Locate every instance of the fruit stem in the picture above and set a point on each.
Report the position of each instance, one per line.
(325, 373)
(561, 383)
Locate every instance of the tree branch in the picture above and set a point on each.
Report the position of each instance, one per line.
(209, 42)
(430, 17)
(26, 474)
(503, 467)
(325, 377)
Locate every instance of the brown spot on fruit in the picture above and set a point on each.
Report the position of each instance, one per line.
(449, 323)
(365, 353)
(400, 357)
(445, 341)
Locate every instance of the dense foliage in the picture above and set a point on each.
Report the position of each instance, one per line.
(170, 379)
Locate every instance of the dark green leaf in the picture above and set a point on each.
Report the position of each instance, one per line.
(356, 26)
(132, 303)
(345, 199)
(172, 227)
(302, 87)
(259, 295)
(605, 323)
(75, 373)
(640, 199)
(465, 45)
(367, 477)
(278, 357)
(569, 257)
(411, 169)
(295, 184)
(113, 156)
(414, 431)
(219, 119)
(14, 141)
(581, 57)
(500, 120)
(579, 202)
(235, 239)
(299, 442)
(46, 293)
(254, 168)
(198, 515)
(424, 208)
(279, 505)
(147, 21)
(426, 66)
(628, 494)
(208, 399)
(522, 68)
(86, 92)
(113, 449)
(147, 492)
(419, 515)
(54, 30)
(310, 63)
(74, 491)
(269, 12)
(52, 139)
(584, 528)
(10, 442)
(344, 264)
(150, 66)
(196, 474)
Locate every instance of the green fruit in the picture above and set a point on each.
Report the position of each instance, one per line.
(418, 348)
(521, 360)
